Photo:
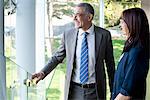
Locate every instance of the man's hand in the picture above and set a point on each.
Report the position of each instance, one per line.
(37, 77)
(122, 97)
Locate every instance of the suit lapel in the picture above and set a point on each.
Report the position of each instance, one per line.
(73, 42)
(98, 38)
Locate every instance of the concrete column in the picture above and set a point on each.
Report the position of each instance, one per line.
(2, 58)
(2, 77)
(40, 33)
(40, 46)
(2, 27)
(25, 42)
(101, 13)
(146, 7)
(30, 30)
(25, 34)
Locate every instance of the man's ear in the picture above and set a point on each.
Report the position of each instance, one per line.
(90, 17)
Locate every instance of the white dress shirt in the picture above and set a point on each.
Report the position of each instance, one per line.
(91, 52)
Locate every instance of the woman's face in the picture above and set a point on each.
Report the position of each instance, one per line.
(124, 28)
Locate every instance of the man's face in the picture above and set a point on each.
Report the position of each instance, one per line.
(81, 18)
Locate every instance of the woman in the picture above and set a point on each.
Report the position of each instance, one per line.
(130, 77)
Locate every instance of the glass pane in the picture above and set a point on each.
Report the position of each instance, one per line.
(19, 84)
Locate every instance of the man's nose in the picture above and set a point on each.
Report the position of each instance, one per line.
(120, 25)
(74, 17)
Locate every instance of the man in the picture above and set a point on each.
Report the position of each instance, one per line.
(85, 47)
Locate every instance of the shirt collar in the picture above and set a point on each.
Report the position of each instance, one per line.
(90, 30)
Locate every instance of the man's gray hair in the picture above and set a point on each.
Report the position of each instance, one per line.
(88, 7)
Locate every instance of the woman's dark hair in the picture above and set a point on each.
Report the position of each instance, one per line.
(138, 26)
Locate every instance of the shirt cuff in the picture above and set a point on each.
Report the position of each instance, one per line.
(124, 92)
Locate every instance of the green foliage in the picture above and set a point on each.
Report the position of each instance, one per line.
(112, 13)
(52, 94)
(90, 0)
(96, 16)
(6, 3)
(114, 9)
(123, 0)
(60, 9)
(118, 47)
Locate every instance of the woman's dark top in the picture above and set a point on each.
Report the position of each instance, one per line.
(131, 73)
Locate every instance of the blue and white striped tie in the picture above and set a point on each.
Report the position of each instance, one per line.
(84, 60)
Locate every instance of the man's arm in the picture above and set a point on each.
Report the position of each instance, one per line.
(109, 60)
(57, 58)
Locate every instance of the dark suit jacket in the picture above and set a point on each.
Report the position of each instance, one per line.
(103, 52)
(130, 77)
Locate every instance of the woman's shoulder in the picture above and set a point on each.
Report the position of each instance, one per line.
(134, 53)
(136, 48)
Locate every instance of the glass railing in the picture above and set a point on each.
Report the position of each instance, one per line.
(55, 80)
(19, 86)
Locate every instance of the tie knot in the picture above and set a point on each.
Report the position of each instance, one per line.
(85, 34)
